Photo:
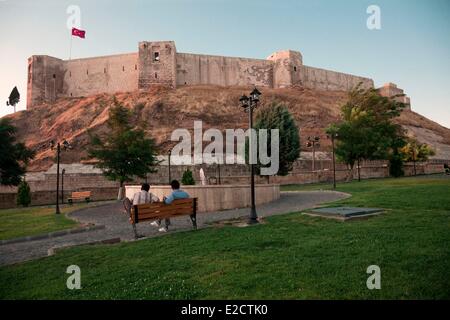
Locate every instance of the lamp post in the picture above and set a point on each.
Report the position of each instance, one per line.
(170, 178)
(66, 145)
(333, 136)
(250, 103)
(62, 185)
(313, 142)
(218, 168)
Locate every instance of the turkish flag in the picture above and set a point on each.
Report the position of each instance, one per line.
(78, 33)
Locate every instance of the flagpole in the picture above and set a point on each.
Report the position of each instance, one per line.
(70, 52)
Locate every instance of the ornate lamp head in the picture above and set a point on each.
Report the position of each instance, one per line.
(255, 94)
(244, 101)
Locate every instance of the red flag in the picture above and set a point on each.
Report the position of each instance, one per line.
(78, 33)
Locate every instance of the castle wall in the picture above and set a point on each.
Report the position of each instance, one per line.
(158, 63)
(84, 77)
(195, 69)
(321, 79)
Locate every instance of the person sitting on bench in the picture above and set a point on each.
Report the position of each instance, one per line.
(144, 196)
(176, 194)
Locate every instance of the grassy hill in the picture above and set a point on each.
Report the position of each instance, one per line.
(164, 110)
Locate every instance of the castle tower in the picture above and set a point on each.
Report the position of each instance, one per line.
(391, 90)
(286, 67)
(45, 79)
(157, 64)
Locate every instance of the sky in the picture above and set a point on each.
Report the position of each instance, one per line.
(412, 48)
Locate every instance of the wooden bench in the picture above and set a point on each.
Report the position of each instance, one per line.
(160, 211)
(80, 195)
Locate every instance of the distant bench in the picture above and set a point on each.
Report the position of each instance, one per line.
(80, 195)
(160, 211)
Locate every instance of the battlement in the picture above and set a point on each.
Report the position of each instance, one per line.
(159, 63)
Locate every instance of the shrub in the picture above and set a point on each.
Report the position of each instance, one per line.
(396, 166)
(24, 194)
(188, 178)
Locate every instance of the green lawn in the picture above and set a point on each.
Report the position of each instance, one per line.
(22, 222)
(290, 257)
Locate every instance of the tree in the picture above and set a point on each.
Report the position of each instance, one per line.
(277, 116)
(188, 178)
(349, 148)
(395, 157)
(24, 194)
(367, 130)
(14, 98)
(14, 156)
(125, 151)
(415, 151)
(396, 165)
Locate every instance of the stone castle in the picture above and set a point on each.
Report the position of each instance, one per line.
(159, 63)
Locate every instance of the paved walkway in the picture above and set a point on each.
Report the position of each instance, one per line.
(117, 225)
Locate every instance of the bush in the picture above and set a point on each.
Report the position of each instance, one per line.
(188, 178)
(24, 194)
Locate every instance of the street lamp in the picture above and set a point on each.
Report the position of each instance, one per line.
(250, 103)
(66, 145)
(218, 168)
(62, 185)
(170, 178)
(313, 142)
(333, 136)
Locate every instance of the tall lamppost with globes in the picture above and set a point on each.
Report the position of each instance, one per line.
(168, 161)
(66, 146)
(333, 136)
(313, 142)
(62, 185)
(249, 104)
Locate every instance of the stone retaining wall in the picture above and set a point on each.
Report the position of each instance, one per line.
(43, 184)
(44, 197)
